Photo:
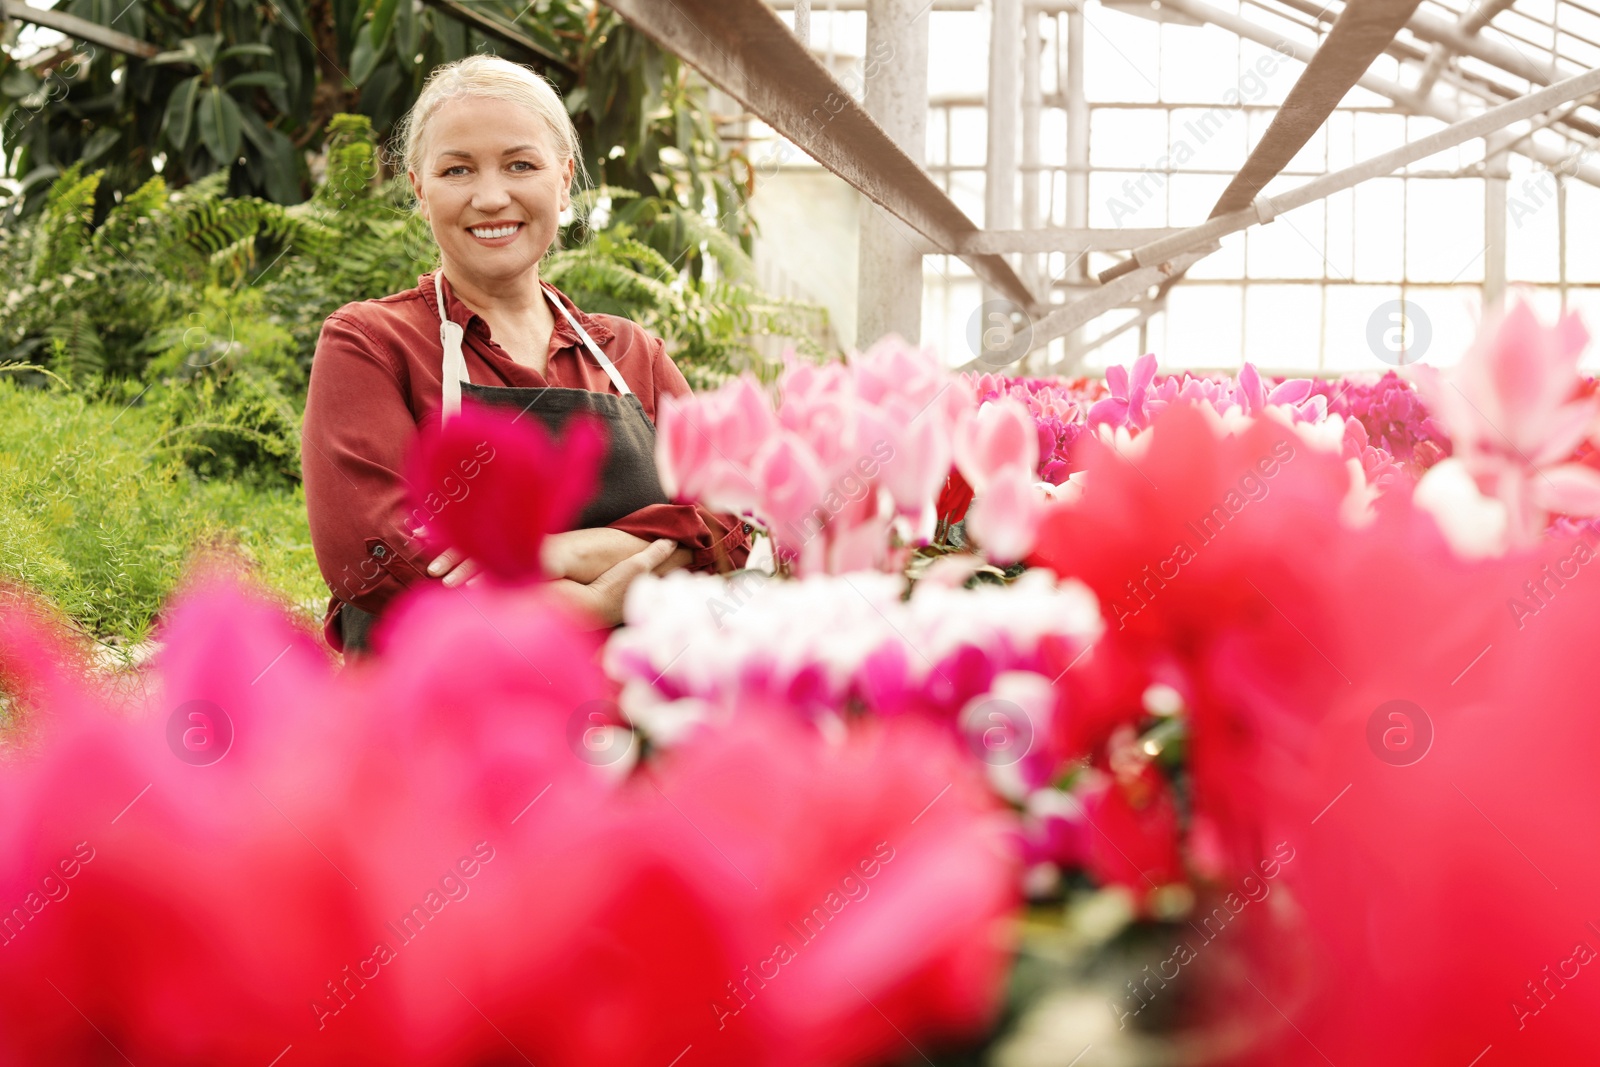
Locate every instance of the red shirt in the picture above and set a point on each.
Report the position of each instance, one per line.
(376, 379)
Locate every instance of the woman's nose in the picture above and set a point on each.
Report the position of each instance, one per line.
(489, 193)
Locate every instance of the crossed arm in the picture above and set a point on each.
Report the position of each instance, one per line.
(592, 567)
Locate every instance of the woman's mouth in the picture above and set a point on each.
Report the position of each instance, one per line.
(496, 235)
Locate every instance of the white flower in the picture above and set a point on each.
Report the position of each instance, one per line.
(1473, 524)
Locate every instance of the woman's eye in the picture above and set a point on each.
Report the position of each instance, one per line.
(448, 170)
(523, 163)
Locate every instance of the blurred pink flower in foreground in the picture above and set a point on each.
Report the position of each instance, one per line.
(1516, 412)
(1337, 867)
(497, 484)
(414, 862)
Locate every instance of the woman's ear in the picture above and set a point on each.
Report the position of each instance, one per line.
(566, 187)
(416, 189)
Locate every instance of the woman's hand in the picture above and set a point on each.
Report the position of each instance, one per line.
(453, 566)
(603, 597)
(585, 555)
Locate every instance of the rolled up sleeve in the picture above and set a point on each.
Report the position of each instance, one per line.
(718, 542)
(353, 440)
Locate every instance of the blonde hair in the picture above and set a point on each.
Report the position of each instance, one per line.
(494, 78)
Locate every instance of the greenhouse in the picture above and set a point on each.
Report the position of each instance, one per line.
(799, 533)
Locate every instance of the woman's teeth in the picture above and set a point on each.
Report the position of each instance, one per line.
(503, 231)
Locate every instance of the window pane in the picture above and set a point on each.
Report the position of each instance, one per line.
(1351, 310)
(1282, 327)
(1121, 56)
(1444, 230)
(1380, 223)
(1202, 327)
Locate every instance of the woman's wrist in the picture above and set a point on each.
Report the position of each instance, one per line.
(584, 555)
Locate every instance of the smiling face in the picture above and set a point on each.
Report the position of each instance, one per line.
(493, 187)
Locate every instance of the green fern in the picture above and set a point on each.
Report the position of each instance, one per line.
(76, 347)
(129, 220)
(68, 220)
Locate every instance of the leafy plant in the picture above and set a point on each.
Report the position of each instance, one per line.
(102, 523)
(214, 302)
(248, 87)
(230, 90)
(102, 299)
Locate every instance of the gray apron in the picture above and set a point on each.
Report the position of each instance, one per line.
(628, 477)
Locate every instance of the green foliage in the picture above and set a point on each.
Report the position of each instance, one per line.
(232, 91)
(228, 385)
(102, 523)
(379, 246)
(158, 292)
(247, 88)
(710, 323)
(214, 302)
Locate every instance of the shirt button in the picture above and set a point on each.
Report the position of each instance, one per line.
(378, 551)
(747, 527)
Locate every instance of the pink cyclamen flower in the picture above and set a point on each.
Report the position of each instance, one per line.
(1000, 438)
(867, 451)
(704, 445)
(1516, 413)
(1126, 404)
(1005, 516)
(793, 483)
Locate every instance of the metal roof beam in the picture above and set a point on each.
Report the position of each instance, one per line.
(1434, 30)
(743, 47)
(73, 26)
(1265, 209)
(1469, 81)
(1469, 25)
(1429, 106)
(1114, 294)
(1364, 29)
(1144, 311)
(1062, 239)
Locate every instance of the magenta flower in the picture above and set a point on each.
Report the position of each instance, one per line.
(1395, 418)
(1057, 407)
(1129, 393)
(507, 484)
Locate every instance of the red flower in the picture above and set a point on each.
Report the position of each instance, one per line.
(873, 881)
(1400, 739)
(954, 498)
(495, 484)
(1135, 838)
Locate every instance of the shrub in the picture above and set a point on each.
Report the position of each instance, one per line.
(102, 521)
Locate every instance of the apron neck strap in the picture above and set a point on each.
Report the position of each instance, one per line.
(455, 362)
(588, 342)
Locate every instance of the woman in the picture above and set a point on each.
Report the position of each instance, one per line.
(491, 155)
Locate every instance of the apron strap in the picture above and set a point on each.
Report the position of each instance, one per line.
(588, 342)
(455, 362)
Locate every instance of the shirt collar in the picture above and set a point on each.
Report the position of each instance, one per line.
(566, 335)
